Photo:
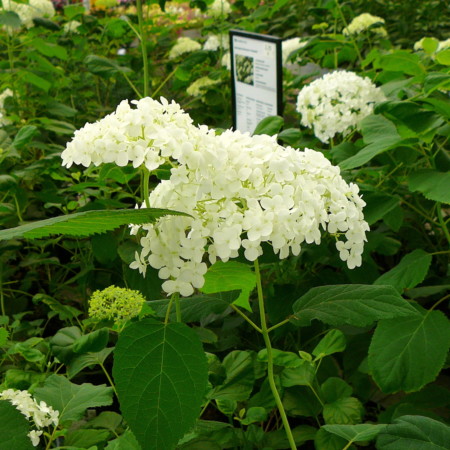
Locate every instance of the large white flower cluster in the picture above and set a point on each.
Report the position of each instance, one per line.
(3, 96)
(40, 413)
(215, 42)
(219, 8)
(183, 45)
(365, 22)
(33, 10)
(240, 191)
(336, 103)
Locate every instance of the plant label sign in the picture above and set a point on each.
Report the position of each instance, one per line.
(256, 81)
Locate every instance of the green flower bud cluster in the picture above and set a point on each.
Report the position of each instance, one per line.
(115, 303)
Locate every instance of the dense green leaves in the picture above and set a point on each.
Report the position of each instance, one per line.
(160, 374)
(408, 352)
(85, 223)
(414, 432)
(358, 305)
(72, 400)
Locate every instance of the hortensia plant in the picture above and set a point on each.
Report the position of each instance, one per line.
(235, 194)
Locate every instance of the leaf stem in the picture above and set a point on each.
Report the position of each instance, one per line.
(270, 374)
(169, 308)
(110, 381)
(439, 302)
(145, 191)
(441, 221)
(177, 306)
(247, 319)
(171, 74)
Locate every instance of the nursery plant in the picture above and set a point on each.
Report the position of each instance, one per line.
(166, 282)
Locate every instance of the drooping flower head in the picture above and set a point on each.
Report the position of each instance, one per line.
(40, 414)
(336, 103)
(366, 22)
(239, 190)
(115, 303)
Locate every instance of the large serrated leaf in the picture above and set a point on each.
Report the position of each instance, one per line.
(414, 432)
(409, 352)
(432, 184)
(411, 271)
(160, 373)
(72, 400)
(354, 304)
(14, 428)
(356, 433)
(86, 223)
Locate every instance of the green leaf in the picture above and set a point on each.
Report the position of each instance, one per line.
(380, 134)
(281, 358)
(92, 342)
(24, 136)
(65, 312)
(432, 184)
(85, 438)
(328, 441)
(14, 428)
(347, 410)
(434, 81)
(49, 49)
(80, 362)
(62, 343)
(104, 67)
(430, 45)
(291, 136)
(10, 19)
(109, 420)
(410, 272)
(270, 125)
(255, 414)
(36, 80)
(443, 57)
(334, 389)
(196, 308)
(231, 276)
(333, 342)
(354, 304)
(160, 373)
(240, 377)
(378, 206)
(72, 400)
(408, 352)
(125, 442)
(71, 11)
(3, 336)
(303, 375)
(402, 61)
(414, 432)
(356, 433)
(86, 223)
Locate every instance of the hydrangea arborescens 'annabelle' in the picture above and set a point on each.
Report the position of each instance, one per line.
(336, 103)
(240, 190)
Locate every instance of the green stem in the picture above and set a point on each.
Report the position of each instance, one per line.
(250, 321)
(110, 381)
(49, 443)
(280, 324)
(439, 302)
(441, 221)
(270, 374)
(143, 36)
(171, 74)
(132, 85)
(169, 308)
(177, 306)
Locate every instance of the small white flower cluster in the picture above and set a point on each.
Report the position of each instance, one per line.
(441, 45)
(72, 27)
(226, 60)
(365, 22)
(336, 103)
(240, 190)
(219, 8)
(3, 96)
(33, 10)
(41, 414)
(183, 45)
(196, 89)
(291, 45)
(215, 42)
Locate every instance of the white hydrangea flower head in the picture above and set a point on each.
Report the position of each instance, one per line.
(215, 42)
(291, 45)
(336, 103)
(239, 190)
(183, 45)
(196, 89)
(42, 8)
(3, 96)
(148, 134)
(71, 27)
(363, 22)
(41, 414)
(443, 45)
(33, 10)
(219, 8)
